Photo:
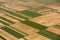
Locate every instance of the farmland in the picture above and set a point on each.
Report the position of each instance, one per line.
(29, 20)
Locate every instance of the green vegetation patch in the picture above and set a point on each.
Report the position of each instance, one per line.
(34, 25)
(12, 32)
(30, 13)
(49, 35)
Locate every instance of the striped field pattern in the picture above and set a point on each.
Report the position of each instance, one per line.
(29, 20)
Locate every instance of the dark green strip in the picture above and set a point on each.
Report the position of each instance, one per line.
(12, 32)
(49, 35)
(34, 25)
(30, 13)
(18, 30)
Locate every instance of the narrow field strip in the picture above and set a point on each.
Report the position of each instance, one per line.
(7, 20)
(49, 35)
(12, 32)
(14, 14)
(30, 13)
(14, 17)
(34, 25)
(4, 23)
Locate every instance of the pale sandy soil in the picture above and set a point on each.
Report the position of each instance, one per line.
(4, 20)
(3, 0)
(2, 14)
(17, 17)
(31, 4)
(48, 20)
(7, 35)
(24, 28)
(45, 11)
(21, 39)
(1, 25)
(1, 39)
(9, 18)
(15, 7)
(53, 30)
(36, 36)
(54, 6)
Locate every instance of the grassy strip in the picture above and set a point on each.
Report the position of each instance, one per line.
(49, 35)
(12, 32)
(30, 13)
(18, 30)
(34, 25)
